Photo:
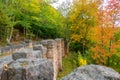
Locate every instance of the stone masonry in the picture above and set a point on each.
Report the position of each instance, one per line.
(41, 61)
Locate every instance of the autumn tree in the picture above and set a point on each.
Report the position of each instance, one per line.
(113, 9)
(105, 46)
(82, 18)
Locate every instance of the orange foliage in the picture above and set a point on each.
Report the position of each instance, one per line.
(103, 35)
(105, 45)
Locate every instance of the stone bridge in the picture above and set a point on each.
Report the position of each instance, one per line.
(38, 61)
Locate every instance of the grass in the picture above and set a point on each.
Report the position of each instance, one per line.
(69, 64)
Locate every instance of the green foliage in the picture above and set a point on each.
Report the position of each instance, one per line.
(69, 64)
(76, 46)
(115, 62)
(48, 32)
(117, 35)
(33, 18)
(88, 56)
(80, 45)
(4, 23)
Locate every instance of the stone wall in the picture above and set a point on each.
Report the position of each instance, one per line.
(11, 48)
(42, 61)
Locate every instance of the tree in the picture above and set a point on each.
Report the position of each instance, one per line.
(6, 21)
(82, 18)
(105, 45)
(51, 19)
(64, 9)
(31, 17)
(113, 8)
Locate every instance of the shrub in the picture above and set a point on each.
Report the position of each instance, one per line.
(81, 60)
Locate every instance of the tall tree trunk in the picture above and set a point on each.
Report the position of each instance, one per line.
(67, 40)
(67, 43)
(108, 59)
(10, 33)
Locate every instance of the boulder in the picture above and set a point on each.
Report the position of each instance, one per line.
(27, 69)
(41, 48)
(93, 72)
(29, 53)
(44, 43)
(37, 54)
(5, 60)
(23, 53)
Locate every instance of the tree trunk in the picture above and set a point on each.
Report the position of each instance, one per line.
(9, 37)
(108, 59)
(67, 43)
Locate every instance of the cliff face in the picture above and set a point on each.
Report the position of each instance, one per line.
(93, 72)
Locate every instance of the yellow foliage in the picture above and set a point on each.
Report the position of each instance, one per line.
(76, 37)
(82, 17)
(82, 62)
(32, 5)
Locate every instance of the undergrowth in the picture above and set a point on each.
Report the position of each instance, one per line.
(69, 64)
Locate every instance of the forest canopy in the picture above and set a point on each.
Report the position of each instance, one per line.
(33, 18)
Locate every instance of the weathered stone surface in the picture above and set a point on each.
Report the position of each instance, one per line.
(41, 48)
(51, 48)
(22, 53)
(27, 69)
(93, 72)
(38, 47)
(5, 60)
(37, 54)
(36, 43)
(18, 46)
(5, 49)
(26, 60)
(28, 53)
(44, 43)
(59, 53)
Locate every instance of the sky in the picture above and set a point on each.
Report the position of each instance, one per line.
(59, 2)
